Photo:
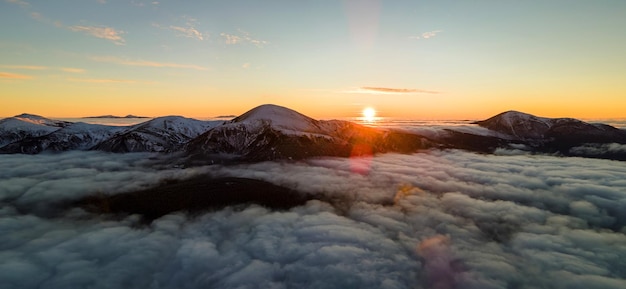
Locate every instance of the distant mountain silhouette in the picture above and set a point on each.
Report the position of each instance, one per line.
(114, 116)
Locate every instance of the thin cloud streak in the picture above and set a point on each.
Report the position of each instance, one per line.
(188, 32)
(8, 75)
(25, 67)
(388, 90)
(107, 33)
(72, 69)
(40, 67)
(19, 2)
(102, 80)
(145, 63)
(103, 32)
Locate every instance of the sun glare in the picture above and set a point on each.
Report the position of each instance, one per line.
(369, 114)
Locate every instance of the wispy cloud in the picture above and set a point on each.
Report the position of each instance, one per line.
(186, 30)
(37, 16)
(145, 63)
(19, 2)
(72, 69)
(40, 67)
(25, 67)
(142, 4)
(8, 75)
(242, 37)
(190, 32)
(107, 33)
(388, 90)
(138, 4)
(103, 32)
(426, 35)
(230, 39)
(102, 80)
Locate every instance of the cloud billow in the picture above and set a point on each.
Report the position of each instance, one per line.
(437, 219)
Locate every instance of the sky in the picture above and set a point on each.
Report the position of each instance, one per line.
(406, 59)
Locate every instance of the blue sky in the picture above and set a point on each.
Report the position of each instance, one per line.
(420, 59)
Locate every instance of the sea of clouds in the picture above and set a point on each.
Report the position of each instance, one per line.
(436, 219)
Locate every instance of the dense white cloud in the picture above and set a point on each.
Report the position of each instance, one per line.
(440, 219)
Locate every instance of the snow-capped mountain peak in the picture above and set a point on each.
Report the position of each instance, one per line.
(156, 135)
(518, 124)
(22, 126)
(177, 124)
(513, 116)
(37, 119)
(279, 117)
(528, 127)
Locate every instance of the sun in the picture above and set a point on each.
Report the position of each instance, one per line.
(369, 114)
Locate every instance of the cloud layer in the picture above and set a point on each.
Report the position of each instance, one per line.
(442, 219)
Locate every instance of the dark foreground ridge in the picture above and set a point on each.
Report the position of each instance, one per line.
(195, 195)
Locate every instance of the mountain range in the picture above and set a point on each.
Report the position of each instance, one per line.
(115, 116)
(271, 132)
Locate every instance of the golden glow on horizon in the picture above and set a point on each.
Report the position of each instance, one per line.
(61, 98)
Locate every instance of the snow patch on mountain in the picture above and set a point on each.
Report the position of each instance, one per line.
(285, 120)
(76, 136)
(518, 124)
(22, 126)
(157, 135)
(37, 119)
